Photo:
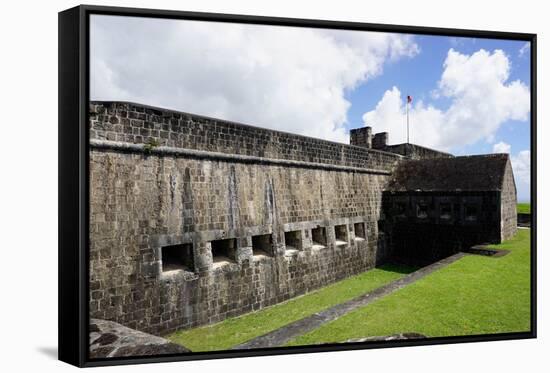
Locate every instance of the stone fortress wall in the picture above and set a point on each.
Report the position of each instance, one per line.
(508, 206)
(194, 219)
(363, 137)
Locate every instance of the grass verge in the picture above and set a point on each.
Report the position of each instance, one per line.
(475, 295)
(234, 331)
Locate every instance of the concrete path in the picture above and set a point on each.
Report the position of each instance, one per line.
(288, 332)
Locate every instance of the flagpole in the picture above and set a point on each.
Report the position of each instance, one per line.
(407, 119)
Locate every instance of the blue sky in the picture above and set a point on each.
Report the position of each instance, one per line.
(470, 96)
(418, 76)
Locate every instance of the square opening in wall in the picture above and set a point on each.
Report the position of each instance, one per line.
(422, 210)
(293, 240)
(359, 231)
(445, 211)
(178, 257)
(470, 212)
(224, 251)
(319, 236)
(341, 235)
(400, 209)
(262, 245)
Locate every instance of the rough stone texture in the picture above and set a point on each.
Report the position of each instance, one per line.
(380, 140)
(466, 173)
(361, 137)
(393, 337)
(413, 151)
(141, 204)
(189, 216)
(448, 205)
(110, 339)
(449, 188)
(508, 213)
(140, 124)
(144, 201)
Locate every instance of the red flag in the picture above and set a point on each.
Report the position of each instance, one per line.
(409, 99)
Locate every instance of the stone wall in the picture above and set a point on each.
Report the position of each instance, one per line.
(194, 219)
(363, 137)
(414, 151)
(140, 124)
(109, 339)
(240, 207)
(509, 204)
(423, 227)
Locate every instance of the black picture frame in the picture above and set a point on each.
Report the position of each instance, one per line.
(74, 190)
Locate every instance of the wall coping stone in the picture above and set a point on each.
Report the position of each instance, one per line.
(142, 124)
(201, 154)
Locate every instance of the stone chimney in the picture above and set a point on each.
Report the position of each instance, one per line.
(361, 137)
(380, 141)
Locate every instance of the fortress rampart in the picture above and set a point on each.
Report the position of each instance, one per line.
(195, 219)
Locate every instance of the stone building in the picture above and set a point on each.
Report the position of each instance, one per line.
(449, 204)
(195, 219)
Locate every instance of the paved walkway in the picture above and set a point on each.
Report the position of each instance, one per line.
(288, 332)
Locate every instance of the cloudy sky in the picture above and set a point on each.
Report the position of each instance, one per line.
(470, 96)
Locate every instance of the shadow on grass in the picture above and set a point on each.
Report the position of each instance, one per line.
(398, 268)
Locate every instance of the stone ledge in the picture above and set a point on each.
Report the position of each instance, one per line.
(139, 123)
(201, 154)
(110, 339)
(484, 250)
(393, 337)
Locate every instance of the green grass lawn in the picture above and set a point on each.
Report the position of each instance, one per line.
(524, 208)
(234, 331)
(475, 295)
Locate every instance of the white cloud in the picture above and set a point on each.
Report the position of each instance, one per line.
(521, 164)
(526, 48)
(501, 147)
(480, 96)
(292, 79)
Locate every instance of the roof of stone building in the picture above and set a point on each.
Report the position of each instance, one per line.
(416, 151)
(468, 173)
